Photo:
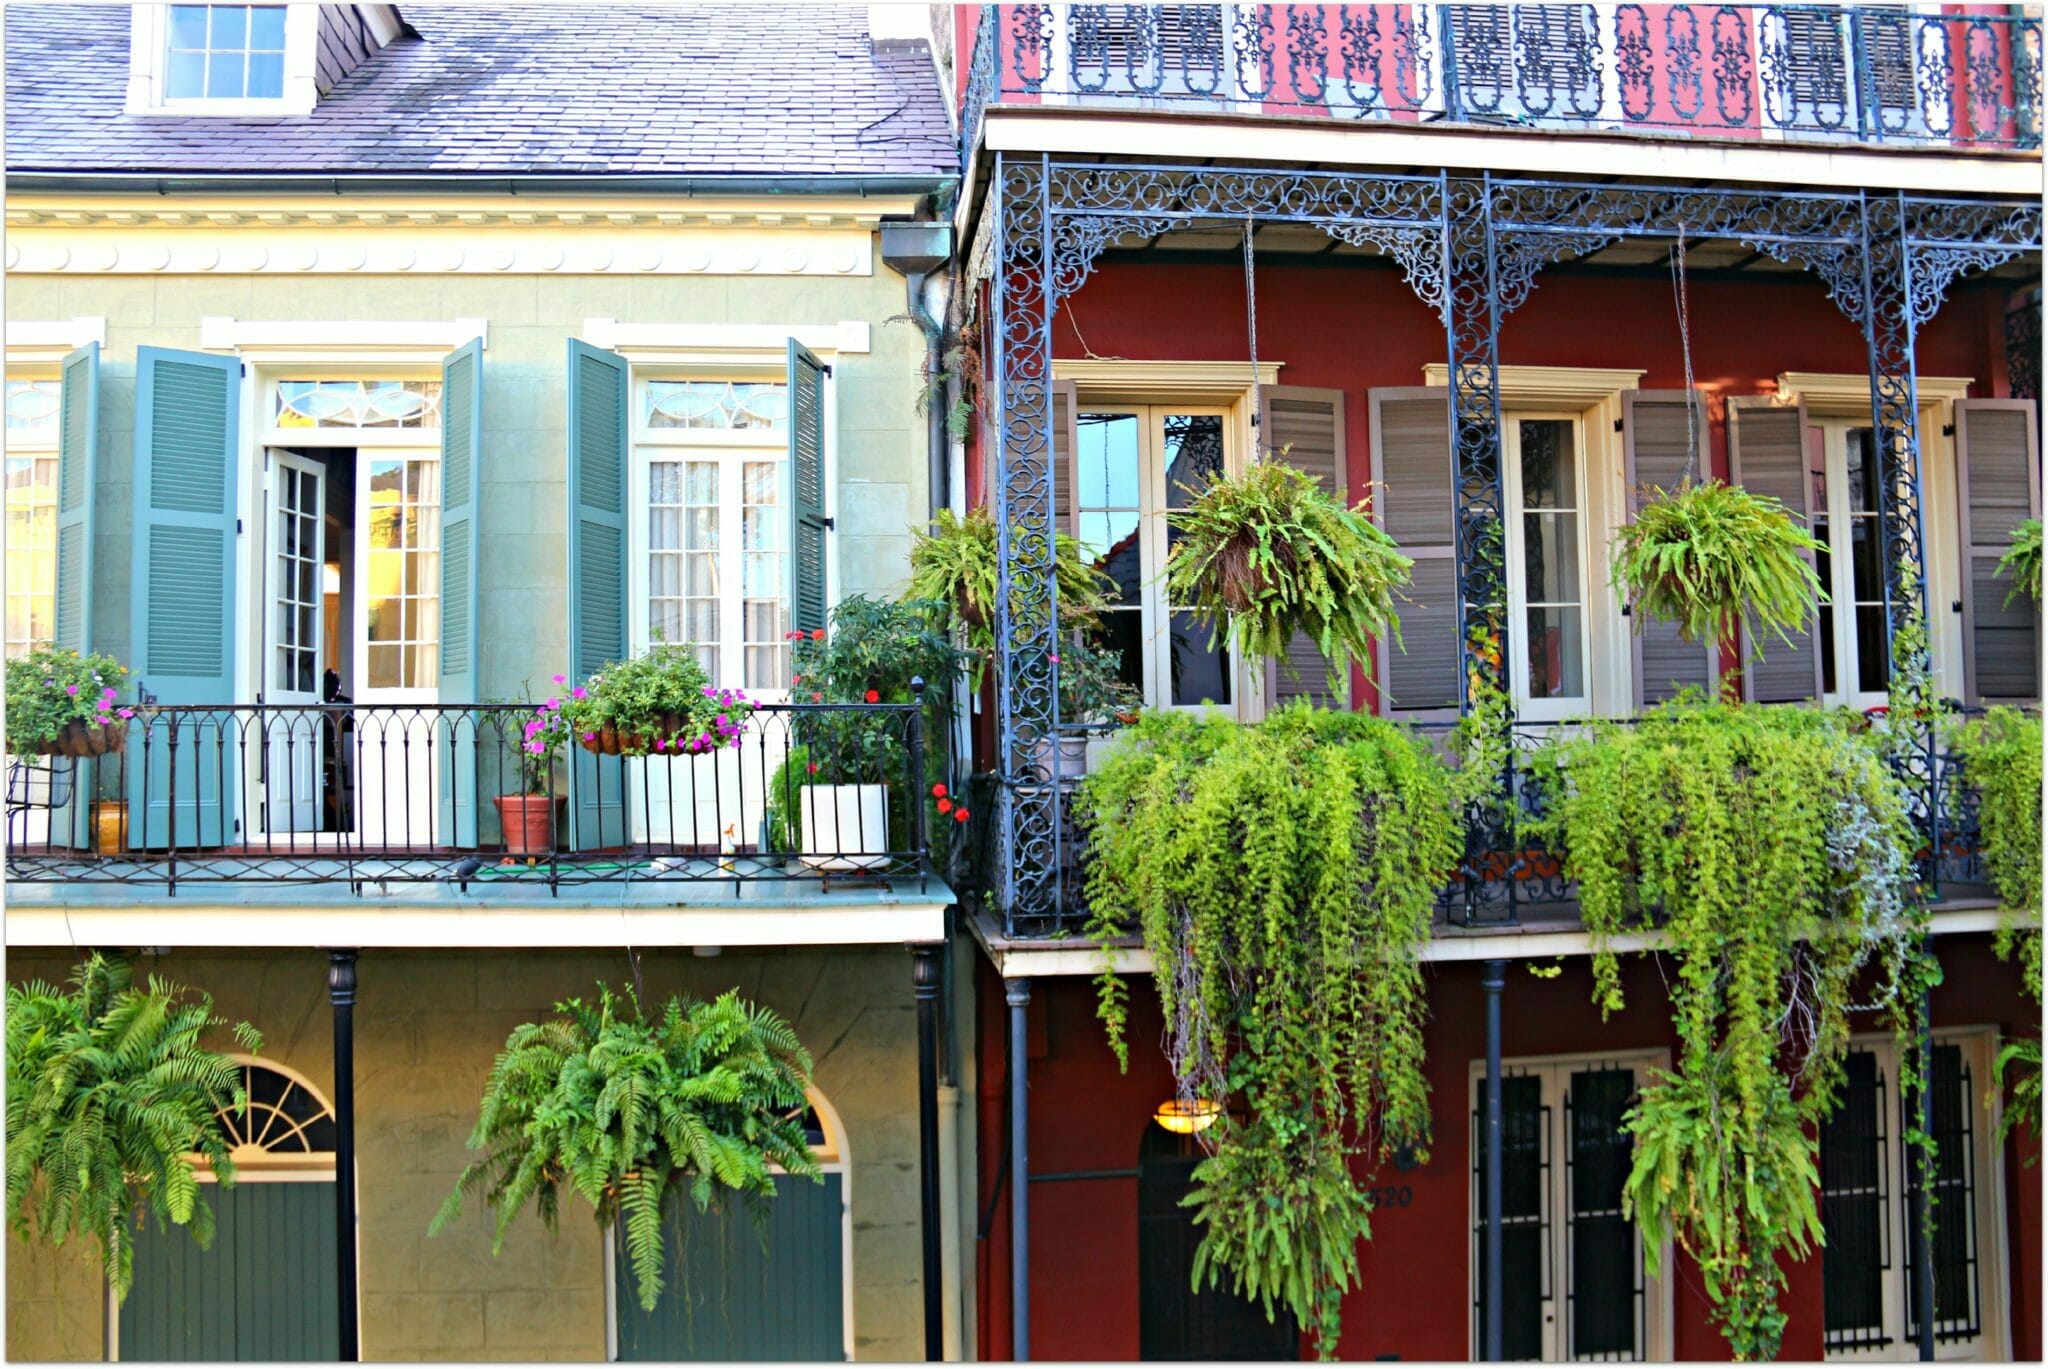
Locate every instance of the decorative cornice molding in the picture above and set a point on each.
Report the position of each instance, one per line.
(1830, 393)
(1581, 385)
(1212, 380)
(524, 211)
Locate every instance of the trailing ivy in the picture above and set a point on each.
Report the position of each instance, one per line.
(1771, 847)
(1283, 877)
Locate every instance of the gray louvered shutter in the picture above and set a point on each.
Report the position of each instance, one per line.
(1416, 500)
(1654, 426)
(188, 408)
(1304, 427)
(1999, 486)
(597, 484)
(1769, 453)
(807, 593)
(1066, 500)
(78, 435)
(462, 391)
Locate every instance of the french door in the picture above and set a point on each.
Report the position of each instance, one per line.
(400, 742)
(295, 740)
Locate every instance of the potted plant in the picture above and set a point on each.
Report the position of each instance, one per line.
(533, 816)
(112, 1105)
(1092, 692)
(851, 793)
(657, 703)
(1269, 554)
(1709, 555)
(955, 564)
(63, 703)
(636, 1114)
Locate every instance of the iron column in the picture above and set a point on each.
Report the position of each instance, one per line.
(924, 979)
(341, 992)
(1493, 977)
(1018, 994)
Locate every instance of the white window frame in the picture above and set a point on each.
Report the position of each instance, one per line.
(1834, 477)
(36, 447)
(1979, 1046)
(1513, 525)
(834, 1157)
(1555, 1071)
(149, 45)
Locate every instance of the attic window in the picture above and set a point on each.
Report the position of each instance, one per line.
(225, 52)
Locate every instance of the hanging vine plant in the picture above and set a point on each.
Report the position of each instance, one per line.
(1283, 877)
(1707, 556)
(1770, 848)
(2022, 561)
(1271, 553)
(110, 1097)
(635, 1114)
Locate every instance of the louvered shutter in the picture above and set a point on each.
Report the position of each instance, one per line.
(807, 593)
(1999, 486)
(597, 484)
(1654, 426)
(462, 393)
(1066, 498)
(1805, 60)
(1417, 502)
(182, 592)
(1304, 427)
(1768, 454)
(77, 480)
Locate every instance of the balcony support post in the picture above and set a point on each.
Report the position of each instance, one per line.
(925, 979)
(1017, 992)
(341, 992)
(1922, 1207)
(1493, 977)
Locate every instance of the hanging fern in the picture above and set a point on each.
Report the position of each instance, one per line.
(1771, 847)
(1283, 877)
(1271, 553)
(2022, 560)
(955, 564)
(633, 1114)
(1710, 555)
(110, 1095)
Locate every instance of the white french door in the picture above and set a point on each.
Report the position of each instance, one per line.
(295, 739)
(399, 743)
(1547, 553)
(1855, 646)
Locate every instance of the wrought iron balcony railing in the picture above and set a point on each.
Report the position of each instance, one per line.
(353, 795)
(1506, 877)
(1969, 78)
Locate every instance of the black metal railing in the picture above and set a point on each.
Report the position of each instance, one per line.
(1506, 876)
(1873, 75)
(354, 795)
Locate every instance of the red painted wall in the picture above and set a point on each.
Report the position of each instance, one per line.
(1415, 1301)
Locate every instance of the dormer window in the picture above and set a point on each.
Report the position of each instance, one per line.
(225, 52)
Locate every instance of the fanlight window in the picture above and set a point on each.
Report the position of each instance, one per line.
(359, 404)
(717, 404)
(286, 1119)
(32, 407)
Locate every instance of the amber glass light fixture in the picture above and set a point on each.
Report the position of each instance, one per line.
(1186, 1116)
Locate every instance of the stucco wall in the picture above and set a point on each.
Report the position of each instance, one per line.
(881, 466)
(427, 1026)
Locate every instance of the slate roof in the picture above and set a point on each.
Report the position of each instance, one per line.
(513, 90)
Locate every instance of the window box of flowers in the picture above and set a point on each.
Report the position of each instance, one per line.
(659, 703)
(64, 703)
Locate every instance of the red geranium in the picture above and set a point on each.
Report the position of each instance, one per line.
(959, 815)
(938, 791)
(874, 696)
(945, 805)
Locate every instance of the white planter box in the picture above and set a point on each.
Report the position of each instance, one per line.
(846, 826)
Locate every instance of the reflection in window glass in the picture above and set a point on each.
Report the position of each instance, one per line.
(1553, 581)
(225, 52)
(358, 404)
(1192, 455)
(766, 580)
(1107, 471)
(32, 408)
(404, 611)
(682, 571)
(31, 547)
(718, 564)
(715, 404)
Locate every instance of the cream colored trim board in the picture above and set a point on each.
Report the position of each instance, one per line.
(1584, 386)
(473, 925)
(46, 344)
(1183, 133)
(1053, 959)
(1841, 394)
(586, 211)
(295, 339)
(652, 342)
(1139, 381)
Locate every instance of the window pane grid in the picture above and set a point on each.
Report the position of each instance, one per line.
(31, 549)
(1553, 578)
(411, 404)
(715, 405)
(404, 611)
(32, 407)
(764, 610)
(225, 52)
(684, 584)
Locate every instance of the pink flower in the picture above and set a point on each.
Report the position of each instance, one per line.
(552, 703)
(590, 736)
(1054, 657)
(71, 690)
(127, 712)
(579, 692)
(561, 679)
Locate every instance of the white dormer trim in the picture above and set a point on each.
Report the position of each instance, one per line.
(47, 344)
(726, 344)
(148, 48)
(353, 342)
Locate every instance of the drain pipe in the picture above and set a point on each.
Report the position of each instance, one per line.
(920, 251)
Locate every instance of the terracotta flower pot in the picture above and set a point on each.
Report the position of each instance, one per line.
(530, 821)
(79, 740)
(610, 741)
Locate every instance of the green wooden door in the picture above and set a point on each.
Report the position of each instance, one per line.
(264, 1291)
(732, 1292)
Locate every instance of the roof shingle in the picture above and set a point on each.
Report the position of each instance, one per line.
(513, 90)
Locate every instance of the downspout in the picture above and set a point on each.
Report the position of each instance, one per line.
(922, 251)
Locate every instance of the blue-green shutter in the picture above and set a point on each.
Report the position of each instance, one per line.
(182, 592)
(264, 1291)
(597, 570)
(731, 1291)
(462, 400)
(807, 606)
(78, 437)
